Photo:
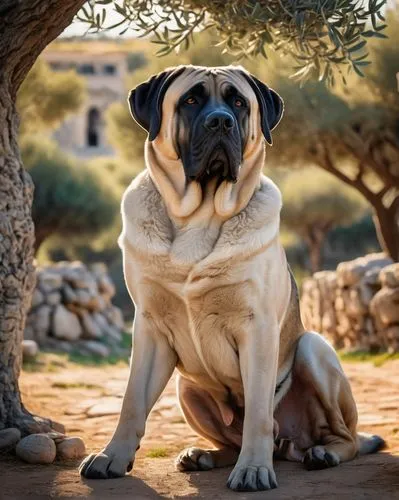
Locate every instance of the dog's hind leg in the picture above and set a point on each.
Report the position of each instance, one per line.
(204, 416)
(319, 412)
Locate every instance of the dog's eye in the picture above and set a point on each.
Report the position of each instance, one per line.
(190, 100)
(239, 103)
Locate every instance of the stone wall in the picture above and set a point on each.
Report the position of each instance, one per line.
(357, 306)
(72, 309)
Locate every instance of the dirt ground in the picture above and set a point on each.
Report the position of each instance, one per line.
(87, 399)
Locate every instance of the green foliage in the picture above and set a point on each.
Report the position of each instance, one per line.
(312, 197)
(377, 359)
(46, 97)
(70, 199)
(125, 135)
(320, 35)
(158, 453)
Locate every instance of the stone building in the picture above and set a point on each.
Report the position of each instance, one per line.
(105, 71)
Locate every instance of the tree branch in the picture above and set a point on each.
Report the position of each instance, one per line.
(328, 164)
(364, 156)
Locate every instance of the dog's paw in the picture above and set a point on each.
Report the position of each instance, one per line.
(252, 478)
(318, 457)
(105, 465)
(192, 459)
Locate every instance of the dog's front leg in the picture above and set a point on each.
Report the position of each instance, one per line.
(151, 367)
(258, 354)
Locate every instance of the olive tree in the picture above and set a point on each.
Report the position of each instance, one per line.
(321, 33)
(350, 133)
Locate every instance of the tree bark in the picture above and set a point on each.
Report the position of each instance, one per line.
(26, 27)
(315, 238)
(386, 221)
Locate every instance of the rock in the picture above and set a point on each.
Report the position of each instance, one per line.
(37, 298)
(71, 447)
(36, 449)
(115, 316)
(372, 277)
(65, 324)
(83, 297)
(389, 276)
(58, 427)
(101, 322)
(78, 276)
(91, 329)
(53, 298)
(49, 280)
(391, 335)
(96, 348)
(106, 286)
(69, 294)
(355, 306)
(98, 303)
(57, 437)
(107, 406)
(114, 335)
(385, 305)
(29, 349)
(8, 439)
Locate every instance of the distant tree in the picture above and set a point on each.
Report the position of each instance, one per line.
(46, 97)
(314, 202)
(70, 199)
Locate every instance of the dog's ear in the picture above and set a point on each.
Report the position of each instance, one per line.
(145, 101)
(271, 105)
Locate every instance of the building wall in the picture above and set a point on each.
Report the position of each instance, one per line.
(105, 76)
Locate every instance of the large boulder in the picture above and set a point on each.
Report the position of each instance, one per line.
(36, 449)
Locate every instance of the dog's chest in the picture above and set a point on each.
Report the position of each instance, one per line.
(201, 313)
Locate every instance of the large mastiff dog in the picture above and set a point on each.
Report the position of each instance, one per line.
(214, 295)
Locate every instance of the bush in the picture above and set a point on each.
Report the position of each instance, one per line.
(70, 199)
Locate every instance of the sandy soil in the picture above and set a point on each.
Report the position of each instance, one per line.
(87, 400)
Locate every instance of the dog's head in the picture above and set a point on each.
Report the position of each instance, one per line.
(210, 118)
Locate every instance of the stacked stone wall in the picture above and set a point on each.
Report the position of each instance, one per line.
(357, 306)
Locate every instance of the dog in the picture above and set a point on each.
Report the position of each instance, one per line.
(214, 295)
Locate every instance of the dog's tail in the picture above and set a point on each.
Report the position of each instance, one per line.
(369, 443)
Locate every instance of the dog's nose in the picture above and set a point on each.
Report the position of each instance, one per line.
(219, 120)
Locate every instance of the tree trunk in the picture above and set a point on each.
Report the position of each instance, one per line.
(17, 276)
(26, 27)
(315, 238)
(386, 221)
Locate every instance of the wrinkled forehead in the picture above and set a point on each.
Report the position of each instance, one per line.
(215, 81)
